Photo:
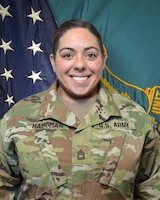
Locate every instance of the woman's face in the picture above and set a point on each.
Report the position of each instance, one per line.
(78, 65)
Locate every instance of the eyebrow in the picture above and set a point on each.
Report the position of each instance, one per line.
(91, 47)
(85, 49)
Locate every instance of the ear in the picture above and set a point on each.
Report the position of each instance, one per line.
(51, 57)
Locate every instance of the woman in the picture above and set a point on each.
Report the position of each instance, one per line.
(77, 140)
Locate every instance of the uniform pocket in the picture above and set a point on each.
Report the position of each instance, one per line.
(39, 165)
(122, 162)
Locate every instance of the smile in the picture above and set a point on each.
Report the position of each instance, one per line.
(80, 78)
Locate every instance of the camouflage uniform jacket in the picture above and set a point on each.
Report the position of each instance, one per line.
(47, 153)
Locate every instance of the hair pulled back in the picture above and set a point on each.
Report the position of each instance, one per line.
(70, 24)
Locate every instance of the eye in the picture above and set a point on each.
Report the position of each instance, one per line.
(67, 55)
(91, 56)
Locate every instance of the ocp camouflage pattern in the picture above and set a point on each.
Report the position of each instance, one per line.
(47, 153)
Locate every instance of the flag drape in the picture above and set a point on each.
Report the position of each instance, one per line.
(130, 31)
(26, 30)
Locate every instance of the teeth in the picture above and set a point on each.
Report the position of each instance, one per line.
(79, 78)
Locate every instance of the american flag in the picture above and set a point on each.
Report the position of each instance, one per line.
(26, 30)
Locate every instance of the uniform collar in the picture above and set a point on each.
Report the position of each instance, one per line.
(103, 108)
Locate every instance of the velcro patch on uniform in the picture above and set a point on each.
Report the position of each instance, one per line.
(116, 124)
(48, 125)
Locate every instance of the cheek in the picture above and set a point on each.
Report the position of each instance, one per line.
(61, 67)
(97, 67)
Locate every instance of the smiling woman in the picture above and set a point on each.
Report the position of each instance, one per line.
(78, 64)
(78, 59)
(78, 140)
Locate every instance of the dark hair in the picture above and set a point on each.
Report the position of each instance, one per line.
(70, 24)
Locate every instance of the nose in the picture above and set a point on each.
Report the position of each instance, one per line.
(80, 63)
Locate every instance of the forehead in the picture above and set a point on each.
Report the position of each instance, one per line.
(78, 35)
(77, 29)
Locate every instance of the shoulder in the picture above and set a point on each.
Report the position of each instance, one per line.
(128, 108)
(29, 106)
(121, 101)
